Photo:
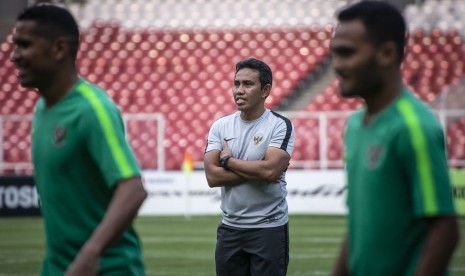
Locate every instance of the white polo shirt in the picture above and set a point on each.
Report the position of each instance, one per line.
(253, 204)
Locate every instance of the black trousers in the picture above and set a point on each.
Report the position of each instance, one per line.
(252, 252)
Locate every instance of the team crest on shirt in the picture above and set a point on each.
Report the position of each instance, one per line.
(59, 136)
(257, 138)
(374, 156)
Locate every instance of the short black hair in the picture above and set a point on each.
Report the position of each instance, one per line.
(266, 76)
(53, 22)
(383, 22)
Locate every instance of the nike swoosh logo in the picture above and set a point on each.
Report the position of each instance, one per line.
(227, 140)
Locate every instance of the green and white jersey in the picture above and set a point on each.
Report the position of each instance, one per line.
(80, 153)
(397, 175)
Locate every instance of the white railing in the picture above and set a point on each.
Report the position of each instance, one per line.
(445, 116)
(323, 122)
(22, 167)
(160, 119)
(17, 167)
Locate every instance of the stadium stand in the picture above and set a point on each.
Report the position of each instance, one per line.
(184, 74)
(336, 110)
(435, 60)
(436, 14)
(177, 58)
(175, 14)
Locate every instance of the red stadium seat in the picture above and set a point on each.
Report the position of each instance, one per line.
(187, 76)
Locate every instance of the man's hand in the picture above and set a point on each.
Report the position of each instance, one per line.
(86, 263)
(226, 150)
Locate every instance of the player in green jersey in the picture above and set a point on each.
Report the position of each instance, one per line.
(401, 217)
(87, 177)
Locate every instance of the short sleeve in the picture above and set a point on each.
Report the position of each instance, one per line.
(283, 136)
(107, 144)
(214, 141)
(423, 152)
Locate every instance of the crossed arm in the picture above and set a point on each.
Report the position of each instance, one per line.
(269, 169)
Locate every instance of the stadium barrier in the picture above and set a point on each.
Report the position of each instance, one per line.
(319, 192)
(458, 189)
(176, 193)
(18, 196)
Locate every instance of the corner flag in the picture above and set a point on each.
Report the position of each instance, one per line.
(188, 163)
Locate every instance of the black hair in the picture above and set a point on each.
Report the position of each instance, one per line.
(53, 22)
(266, 76)
(383, 22)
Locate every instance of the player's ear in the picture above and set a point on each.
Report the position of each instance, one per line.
(266, 91)
(387, 53)
(60, 48)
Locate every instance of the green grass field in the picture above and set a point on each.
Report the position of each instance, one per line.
(175, 246)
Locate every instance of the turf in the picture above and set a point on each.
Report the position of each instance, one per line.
(177, 246)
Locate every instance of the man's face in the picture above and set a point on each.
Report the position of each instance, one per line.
(247, 91)
(32, 55)
(354, 60)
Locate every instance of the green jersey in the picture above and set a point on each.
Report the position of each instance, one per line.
(80, 153)
(397, 175)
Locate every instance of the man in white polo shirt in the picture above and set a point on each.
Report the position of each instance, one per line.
(247, 155)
